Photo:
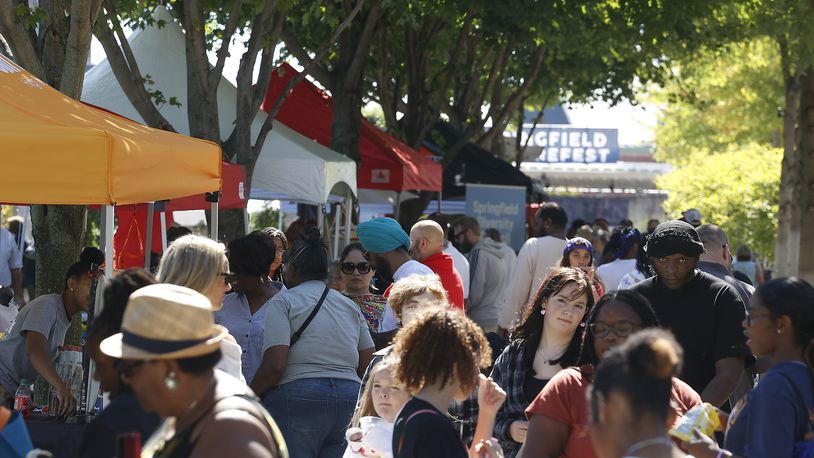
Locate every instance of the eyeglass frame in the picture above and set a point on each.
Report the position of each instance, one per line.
(614, 328)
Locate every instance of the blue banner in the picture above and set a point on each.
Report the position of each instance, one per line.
(572, 144)
(499, 207)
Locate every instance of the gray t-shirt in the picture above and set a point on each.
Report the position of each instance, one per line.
(45, 315)
(329, 347)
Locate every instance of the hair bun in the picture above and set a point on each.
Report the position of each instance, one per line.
(312, 235)
(657, 357)
(92, 255)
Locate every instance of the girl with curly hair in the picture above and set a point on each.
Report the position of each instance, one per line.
(440, 357)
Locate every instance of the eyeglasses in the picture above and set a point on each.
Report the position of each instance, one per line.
(349, 267)
(681, 260)
(126, 370)
(228, 277)
(620, 329)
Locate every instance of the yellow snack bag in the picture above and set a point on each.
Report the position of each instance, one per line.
(702, 418)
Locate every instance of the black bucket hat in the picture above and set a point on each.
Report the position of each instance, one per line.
(671, 237)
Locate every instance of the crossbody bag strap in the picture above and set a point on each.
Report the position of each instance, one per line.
(801, 401)
(308, 320)
(417, 412)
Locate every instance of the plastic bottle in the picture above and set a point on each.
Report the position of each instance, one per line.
(22, 398)
(76, 382)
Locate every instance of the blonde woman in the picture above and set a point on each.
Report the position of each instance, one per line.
(200, 263)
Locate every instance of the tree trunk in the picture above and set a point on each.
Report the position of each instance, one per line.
(788, 227)
(411, 210)
(347, 104)
(59, 233)
(806, 167)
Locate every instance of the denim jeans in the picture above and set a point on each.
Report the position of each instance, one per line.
(313, 415)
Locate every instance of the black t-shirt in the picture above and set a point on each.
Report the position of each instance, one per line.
(421, 431)
(705, 315)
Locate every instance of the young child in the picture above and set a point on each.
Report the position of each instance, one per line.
(440, 357)
(372, 427)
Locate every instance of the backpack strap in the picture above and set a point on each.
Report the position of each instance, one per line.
(417, 412)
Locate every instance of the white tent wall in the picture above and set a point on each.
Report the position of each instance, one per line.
(290, 167)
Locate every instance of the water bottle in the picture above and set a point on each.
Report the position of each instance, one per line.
(76, 382)
(22, 398)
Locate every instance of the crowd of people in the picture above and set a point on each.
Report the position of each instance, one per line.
(438, 341)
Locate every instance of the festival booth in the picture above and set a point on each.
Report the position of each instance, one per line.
(289, 167)
(63, 152)
(386, 164)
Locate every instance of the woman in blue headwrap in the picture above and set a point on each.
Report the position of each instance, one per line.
(579, 253)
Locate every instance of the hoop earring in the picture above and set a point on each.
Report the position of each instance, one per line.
(170, 382)
(582, 324)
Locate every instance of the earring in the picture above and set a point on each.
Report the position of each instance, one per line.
(542, 312)
(582, 324)
(779, 331)
(170, 382)
(71, 289)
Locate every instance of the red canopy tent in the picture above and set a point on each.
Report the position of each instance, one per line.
(386, 163)
(130, 239)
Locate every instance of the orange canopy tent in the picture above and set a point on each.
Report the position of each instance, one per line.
(60, 151)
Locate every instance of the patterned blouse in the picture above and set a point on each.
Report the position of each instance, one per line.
(377, 313)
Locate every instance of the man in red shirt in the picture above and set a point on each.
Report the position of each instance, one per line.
(427, 247)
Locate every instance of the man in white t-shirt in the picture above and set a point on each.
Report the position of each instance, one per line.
(388, 250)
(11, 265)
(534, 262)
(611, 273)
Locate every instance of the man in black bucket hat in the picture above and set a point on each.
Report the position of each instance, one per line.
(703, 312)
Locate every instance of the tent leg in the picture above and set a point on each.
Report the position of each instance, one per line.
(246, 220)
(321, 218)
(337, 218)
(213, 230)
(148, 246)
(440, 196)
(397, 207)
(280, 217)
(107, 224)
(162, 216)
(348, 217)
(24, 228)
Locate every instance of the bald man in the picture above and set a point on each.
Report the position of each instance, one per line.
(427, 247)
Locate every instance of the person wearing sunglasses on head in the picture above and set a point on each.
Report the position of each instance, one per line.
(558, 417)
(357, 274)
(31, 347)
(200, 263)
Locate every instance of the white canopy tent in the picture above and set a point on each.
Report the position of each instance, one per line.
(290, 167)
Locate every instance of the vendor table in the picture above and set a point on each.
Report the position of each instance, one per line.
(55, 435)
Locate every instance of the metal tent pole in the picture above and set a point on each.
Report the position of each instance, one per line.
(148, 246)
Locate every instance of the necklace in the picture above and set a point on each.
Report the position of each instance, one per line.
(549, 358)
(647, 443)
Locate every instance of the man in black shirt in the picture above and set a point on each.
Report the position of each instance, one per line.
(703, 312)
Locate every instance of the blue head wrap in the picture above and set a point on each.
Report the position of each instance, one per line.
(629, 237)
(579, 243)
(381, 235)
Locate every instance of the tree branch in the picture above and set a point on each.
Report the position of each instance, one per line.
(318, 70)
(223, 52)
(77, 47)
(365, 38)
(125, 68)
(326, 46)
(19, 40)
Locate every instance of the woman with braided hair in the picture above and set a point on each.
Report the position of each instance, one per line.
(440, 357)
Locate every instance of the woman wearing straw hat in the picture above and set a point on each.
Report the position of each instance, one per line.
(169, 347)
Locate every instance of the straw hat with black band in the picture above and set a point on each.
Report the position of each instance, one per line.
(165, 321)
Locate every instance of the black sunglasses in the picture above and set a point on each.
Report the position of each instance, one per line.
(349, 267)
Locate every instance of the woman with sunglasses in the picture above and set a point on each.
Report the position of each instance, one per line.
(357, 274)
(31, 347)
(547, 341)
(558, 417)
(200, 263)
(244, 308)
